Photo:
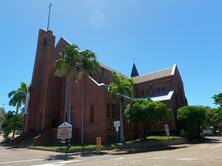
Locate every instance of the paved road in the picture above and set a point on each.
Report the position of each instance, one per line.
(204, 154)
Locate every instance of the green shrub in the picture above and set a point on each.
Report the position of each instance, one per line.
(11, 122)
(191, 120)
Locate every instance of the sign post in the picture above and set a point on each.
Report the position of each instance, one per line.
(167, 131)
(65, 132)
(117, 125)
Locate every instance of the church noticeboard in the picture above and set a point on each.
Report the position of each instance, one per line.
(64, 131)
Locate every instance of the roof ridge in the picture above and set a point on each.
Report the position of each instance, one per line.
(155, 72)
(111, 69)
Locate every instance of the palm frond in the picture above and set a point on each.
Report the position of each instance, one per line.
(121, 86)
(11, 93)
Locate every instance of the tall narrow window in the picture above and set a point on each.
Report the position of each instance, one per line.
(91, 114)
(158, 90)
(113, 112)
(45, 41)
(151, 90)
(142, 94)
(66, 117)
(111, 115)
(163, 88)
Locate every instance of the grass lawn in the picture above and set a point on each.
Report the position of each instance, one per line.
(78, 147)
(62, 148)
(162, 138)
(112, 145)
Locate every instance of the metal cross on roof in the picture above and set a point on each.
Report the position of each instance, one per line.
(50, 5)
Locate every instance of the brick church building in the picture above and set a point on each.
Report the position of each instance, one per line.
(47, 97)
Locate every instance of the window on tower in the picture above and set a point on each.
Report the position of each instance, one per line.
(45, 41)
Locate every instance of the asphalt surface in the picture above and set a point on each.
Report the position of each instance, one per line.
(204, 154)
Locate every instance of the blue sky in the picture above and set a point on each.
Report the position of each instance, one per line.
(156, 33)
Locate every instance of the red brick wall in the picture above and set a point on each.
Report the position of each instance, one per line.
(38, 97)
(54, 100)
(94, 96)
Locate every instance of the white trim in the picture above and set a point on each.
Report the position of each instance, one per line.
(127, 97)
(168, 96)
(98, 84)
(173, 69)
(66, 40)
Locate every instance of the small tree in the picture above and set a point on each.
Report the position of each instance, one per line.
(214, 119)
(17, 98)
(214, 116)
(143, 111)
(218, 99)
(11, 122)
(192, 120)
(136, 111)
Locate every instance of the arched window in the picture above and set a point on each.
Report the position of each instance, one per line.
(151, 90)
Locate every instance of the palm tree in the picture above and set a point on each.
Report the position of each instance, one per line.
(70, 64)
(76, 65)
(89, 67)
(122, 87)
(17, 98)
